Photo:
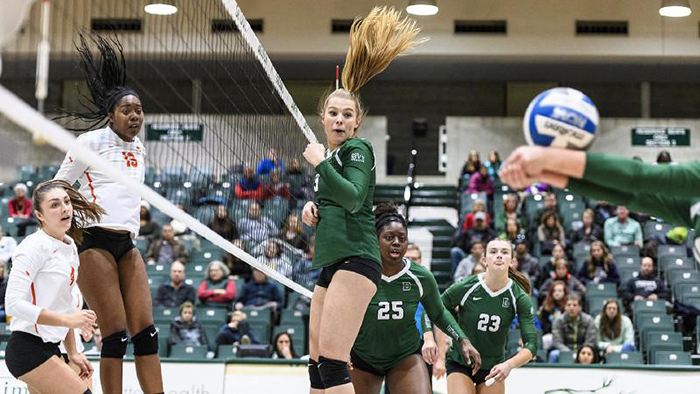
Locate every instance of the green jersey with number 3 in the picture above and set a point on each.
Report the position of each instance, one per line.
(344, 188)
(389, 333)
(486, 317)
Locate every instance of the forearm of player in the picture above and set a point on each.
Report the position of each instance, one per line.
(348, 193)
(69, 343)
(441, 340)
(447, 323)
(629, 175)
(671, 208)
(50, 318)
(521, 358)
(569, 163)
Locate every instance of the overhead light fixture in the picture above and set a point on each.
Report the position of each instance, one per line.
(675, 8)
(422, 7)
(160, 9)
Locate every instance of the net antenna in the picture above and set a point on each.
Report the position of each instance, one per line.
(42, 57)
(260, 54)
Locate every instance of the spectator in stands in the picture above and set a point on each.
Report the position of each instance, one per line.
(7, 247)
(236, 266)
(614, 330)
(477, 206)
(480, 182)
(622, 230)
(513, 232)
(256, 227)
(478, 269)
(185, 329)
(571, 330)
(3, 289)
(236, 331)
(547, 269)
(561, 274)
(294, 167)
(472, 165)
(217, 288)
(260, 293)
(587, 354)
(179, 228)
(603, 211)
(550, 231)
(276, 188)
(550, 205)
(530, 268)
(510, 211)
(664, 157)
(292, 233)
(148, 228)
(525, 260)
(167, 248)
(646, 286)
(96, 350)
(20, 208)
(270, 163)
(284, 347)
(466, 266)
(599, 266)
(414, 254)
(274, 258)
(249, 187)
(299, 184)
(552, 308)
(589, 232)
(223, 224)
(493, 164)
(301, 270)
(480, 232)
(176, 292)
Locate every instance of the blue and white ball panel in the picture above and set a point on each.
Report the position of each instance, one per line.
(561, 117)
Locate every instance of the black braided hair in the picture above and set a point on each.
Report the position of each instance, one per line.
(105, 78)
(386, 213)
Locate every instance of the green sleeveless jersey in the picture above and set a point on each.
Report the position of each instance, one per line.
(671, 192)
(344, 194)
(486, 317)
(389, 333)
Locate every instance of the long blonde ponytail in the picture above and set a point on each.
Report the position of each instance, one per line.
(375, 41)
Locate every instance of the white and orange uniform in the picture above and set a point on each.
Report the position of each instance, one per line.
(78, 303)
(44, 271)
(121, 204)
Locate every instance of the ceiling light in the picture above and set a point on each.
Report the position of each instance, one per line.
(160, 9)
(422, 7)
(675, 8)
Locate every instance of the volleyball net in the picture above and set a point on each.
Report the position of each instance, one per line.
(222, 133)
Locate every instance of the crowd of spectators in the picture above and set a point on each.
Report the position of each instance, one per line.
(566, 246)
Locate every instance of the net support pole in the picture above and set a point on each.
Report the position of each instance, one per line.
(23, 115)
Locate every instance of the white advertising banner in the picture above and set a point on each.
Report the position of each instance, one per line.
(235, 378)
(178, 378)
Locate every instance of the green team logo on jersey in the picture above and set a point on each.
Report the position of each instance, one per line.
(506, 302)
(358, 157)
(406, 286)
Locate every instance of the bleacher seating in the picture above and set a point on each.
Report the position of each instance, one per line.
(626, 358)
(656, 331)
(188, 352)
(665, 357)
